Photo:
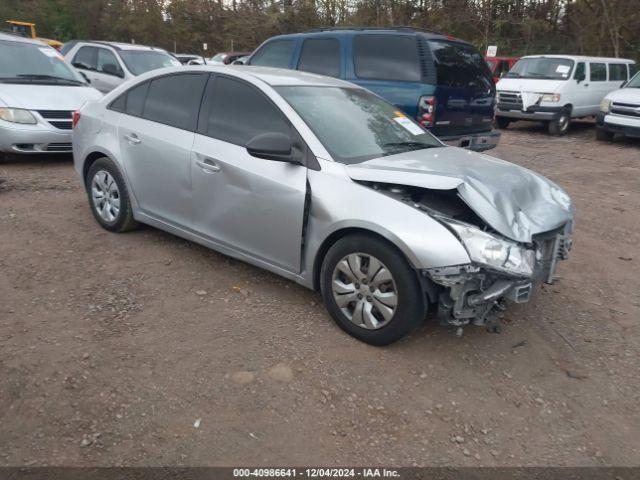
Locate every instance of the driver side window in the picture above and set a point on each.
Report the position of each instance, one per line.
(235, 112)
(580, 72)
(107, 63)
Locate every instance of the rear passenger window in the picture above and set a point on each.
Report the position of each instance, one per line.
(86, 58)
(321, 55)
(387, 57)
(175, 100)
(274, 54)
(598, 72)
(617, 71)
(235, 112)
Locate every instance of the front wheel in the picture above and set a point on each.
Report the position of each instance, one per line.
(560, 125)
(502, 122)
(603, 135)
(370, 290)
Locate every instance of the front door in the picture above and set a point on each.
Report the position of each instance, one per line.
(251, 205)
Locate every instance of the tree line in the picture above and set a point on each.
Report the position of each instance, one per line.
(517, 27)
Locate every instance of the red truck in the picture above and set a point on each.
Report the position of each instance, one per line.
(499, 66)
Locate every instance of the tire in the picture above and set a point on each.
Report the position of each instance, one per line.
(560, 125)
(361, 313)
(115, 214)
(604, 135)
(503, 122)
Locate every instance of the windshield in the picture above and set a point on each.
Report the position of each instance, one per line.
(545, 68)
(22, 62)
(460, 65)
(141, 61)
(634, 82)
(355, 125)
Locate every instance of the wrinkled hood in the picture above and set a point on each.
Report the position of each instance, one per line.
(46, 97)
(516, 202)
(626, 95)
(533, 85)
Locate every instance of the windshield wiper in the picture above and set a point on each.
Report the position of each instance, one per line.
(410, 144)
(33, 76)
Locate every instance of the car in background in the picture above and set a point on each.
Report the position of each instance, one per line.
(620, 112)
(108, 64)
(241, 60)
(440, 81)
(39, 91)
(190, 59)
(226, 58)
(558, 88)
(499, 66)
(258, 162)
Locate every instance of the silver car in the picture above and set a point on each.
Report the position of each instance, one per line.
(326, 184)
(39, 92)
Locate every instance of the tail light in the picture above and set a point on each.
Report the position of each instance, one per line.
(427, 111)
(75, 118)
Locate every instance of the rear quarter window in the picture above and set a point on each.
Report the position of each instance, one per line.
(387, 57)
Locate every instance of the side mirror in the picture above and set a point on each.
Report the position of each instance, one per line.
(84, 75)
(580, 77)
(272, 146)
(111, 69)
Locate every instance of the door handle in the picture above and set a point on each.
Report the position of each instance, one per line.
(133, 139)
(208, 165)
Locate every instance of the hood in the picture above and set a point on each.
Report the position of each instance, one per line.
(516, 202)
(626, 95)
(533, 85)
(46, 97)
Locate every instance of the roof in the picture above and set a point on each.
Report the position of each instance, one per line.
(121, 45)
(582, 58)
(336, 31)
(19, 38)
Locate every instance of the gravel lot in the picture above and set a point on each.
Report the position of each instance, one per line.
(145, 349)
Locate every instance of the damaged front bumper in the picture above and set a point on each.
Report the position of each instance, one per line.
(476, 294)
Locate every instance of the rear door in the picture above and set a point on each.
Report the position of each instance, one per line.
(250, 205)
(322, 56)
(156, 138)
(465, 90)
(389, 65)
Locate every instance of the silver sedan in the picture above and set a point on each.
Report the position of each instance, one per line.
(324, 183)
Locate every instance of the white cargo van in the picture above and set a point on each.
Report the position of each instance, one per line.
(557, 88)
(620, 112)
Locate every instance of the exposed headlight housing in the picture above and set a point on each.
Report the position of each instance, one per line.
(551, 97)
(492, 251)
(17, 115)
(605, 105)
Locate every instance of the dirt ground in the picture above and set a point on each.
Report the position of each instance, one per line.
(145, 349)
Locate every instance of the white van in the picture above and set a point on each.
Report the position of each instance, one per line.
(39, 92)
(557, 88)
(620, 112)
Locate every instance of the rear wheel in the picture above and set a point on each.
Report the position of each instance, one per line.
(502, 122)
(560, 125)
(603, 135)
(370, 290)
(108, 196)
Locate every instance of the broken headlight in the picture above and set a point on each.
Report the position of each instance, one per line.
(492, 251)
